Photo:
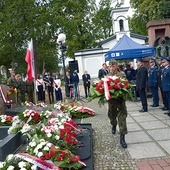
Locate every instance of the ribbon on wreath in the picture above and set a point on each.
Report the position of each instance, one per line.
(4, 97)
(37, 161)
(106, 88)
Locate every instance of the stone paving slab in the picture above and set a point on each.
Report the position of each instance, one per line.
(145, 150)
(153, 125)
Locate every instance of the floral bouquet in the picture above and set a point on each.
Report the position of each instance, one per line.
(47, 151)
(11, 91)
(110, 87)
(80, 111)
(6, 120)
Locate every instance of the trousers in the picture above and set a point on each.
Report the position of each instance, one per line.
(117, 113)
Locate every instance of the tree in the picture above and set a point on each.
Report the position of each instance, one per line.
(146, 10)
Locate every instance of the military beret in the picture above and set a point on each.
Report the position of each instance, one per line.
(151, 60)
(166, 59)
(112, 62)
(139, 60)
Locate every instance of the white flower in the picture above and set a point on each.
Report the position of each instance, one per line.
(49, 135)
(22, 164)
(46, 148)
(49, 144)
(34, 167)
(40, 154)
(23, 169)
(2, 164)
(61, 127)
(32, 144)
(57, 137)
(10, 157)
(39, 146)
(35, 151)
(10, 167)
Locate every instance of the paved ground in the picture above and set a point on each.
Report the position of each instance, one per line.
(148, 139)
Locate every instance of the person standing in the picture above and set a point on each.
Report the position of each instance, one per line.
(130, 73)
(58, 90)
(117, 111)
(160, 69)
(153, 82)
(86, 83)
(103, 71)
(68, 85)
(166, 81)
(40, 88)
(141, 82)
(50, 88)
(75, 81)
(30, 90)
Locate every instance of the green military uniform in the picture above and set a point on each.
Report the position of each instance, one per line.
(30, 90)
(117, 109)
(12, 82)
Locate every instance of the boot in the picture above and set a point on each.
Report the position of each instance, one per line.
(114, 129)
(122, 141)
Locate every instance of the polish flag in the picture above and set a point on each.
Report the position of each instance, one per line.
(30, 61)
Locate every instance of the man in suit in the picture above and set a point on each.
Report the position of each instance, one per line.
(153, 82)
(166, 81)
(86, 83)
(141, 81)
(103, 71)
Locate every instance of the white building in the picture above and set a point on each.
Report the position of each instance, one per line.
(92, 59)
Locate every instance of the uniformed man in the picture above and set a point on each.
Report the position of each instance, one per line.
(30, 90)
(160, 69)
(117, 110)
(166, 81)
(153, 82)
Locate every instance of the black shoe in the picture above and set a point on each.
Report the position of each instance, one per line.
(122, 141)
(143, 110)
(154, 105)
(167, 113)
(164, 108)
(113, 129)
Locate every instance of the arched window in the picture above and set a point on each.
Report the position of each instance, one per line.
(121, 26)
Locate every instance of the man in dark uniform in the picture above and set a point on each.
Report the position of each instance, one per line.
(86, 83)
(153, 82)
(30, 90)
(103, 71)
(141, 81)
(166, 81)
(160, 69)
(117, 110)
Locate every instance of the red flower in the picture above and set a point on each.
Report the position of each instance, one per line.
(59, 158)
(47, 156)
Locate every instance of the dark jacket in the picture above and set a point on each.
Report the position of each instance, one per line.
(102, 73)
(141, 77)
(86, 79)
(153, 77)
(166, 79)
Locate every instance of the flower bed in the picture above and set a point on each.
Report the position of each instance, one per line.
(52, 138)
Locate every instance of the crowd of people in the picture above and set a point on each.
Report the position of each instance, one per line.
(48, 83)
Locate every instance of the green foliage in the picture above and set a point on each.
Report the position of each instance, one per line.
(146, 10)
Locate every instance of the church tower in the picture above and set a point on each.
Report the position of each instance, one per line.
(119, 17)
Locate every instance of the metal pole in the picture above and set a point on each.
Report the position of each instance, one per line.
(64, 69)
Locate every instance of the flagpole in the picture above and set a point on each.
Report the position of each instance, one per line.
(33, 64)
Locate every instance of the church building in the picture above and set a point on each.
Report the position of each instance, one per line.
(92, 59)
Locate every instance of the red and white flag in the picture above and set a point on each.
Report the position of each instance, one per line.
(30, 60)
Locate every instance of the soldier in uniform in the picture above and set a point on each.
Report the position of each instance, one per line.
(117, 111)
(30, 90)
(160, 69)
(165, 81)
(153, 82)
(12, 83)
